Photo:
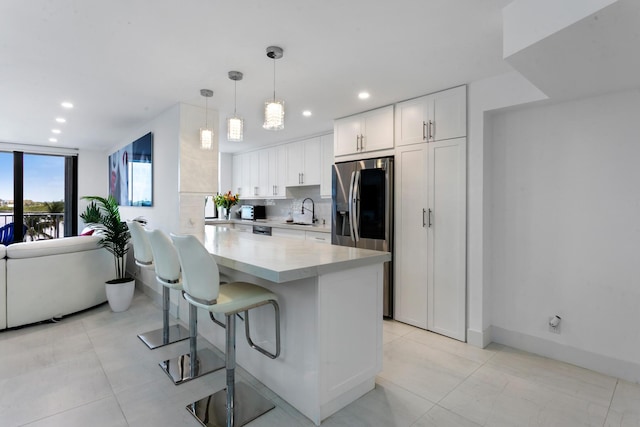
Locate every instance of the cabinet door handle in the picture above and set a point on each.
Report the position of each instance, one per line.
(431, 129)
(424, 130)
(255, 191)
(430, 217)
(424, 223)
(361, 142)
(302, 178)
(357, 142)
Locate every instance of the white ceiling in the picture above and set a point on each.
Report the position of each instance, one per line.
(123, 62)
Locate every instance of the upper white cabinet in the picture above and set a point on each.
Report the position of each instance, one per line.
(368, 131)
(326, 145)
(236, 174)
(435, 117)
(303, 162)
(277, 172)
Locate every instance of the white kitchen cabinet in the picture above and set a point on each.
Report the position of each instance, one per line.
(435, 117)
(303, 162)
(251, 169)
(263, 184)
(277, 175)
(288, 233)
(430, 257)
(365, 132)
(236, 174)
(326, 144)
(410, 266)
(318, 237)
(243, 228)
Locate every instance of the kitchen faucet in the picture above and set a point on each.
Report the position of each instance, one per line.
(313, 209)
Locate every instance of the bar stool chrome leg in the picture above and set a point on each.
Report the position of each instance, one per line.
(196, 363)
(167, 334)
(238, 404)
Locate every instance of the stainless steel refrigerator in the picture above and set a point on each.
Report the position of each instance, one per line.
(362, 215)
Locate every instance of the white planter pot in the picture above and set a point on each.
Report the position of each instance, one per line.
(120, 295)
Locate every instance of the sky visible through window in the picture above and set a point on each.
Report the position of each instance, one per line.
(43, 177)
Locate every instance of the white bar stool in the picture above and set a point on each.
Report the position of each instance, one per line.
(235, 406)
(143, 255)
(180, 369)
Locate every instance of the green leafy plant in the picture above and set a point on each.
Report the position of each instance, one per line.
(91, 214)
(112, 230)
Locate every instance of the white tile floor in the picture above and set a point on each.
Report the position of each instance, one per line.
(92, 370)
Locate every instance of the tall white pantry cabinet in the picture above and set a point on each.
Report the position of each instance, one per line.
(430, 211)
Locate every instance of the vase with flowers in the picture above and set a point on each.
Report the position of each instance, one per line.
(226, 201)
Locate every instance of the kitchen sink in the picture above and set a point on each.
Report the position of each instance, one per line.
(299, 223)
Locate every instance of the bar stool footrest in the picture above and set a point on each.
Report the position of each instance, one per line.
(179, 368)
(249, 405)
(155, 339)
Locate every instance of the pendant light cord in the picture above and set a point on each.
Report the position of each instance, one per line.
(206, 107)
(274, 79)
(235, 96)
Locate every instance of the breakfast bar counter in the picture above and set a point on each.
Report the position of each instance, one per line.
(331, 316)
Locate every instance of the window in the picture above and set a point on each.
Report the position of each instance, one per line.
(43, 196)
(38, 191)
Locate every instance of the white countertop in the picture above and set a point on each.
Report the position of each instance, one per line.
(280, 259)
(272, 223)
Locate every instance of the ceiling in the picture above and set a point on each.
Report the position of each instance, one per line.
(123, 62)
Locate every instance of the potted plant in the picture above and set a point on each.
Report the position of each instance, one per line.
(104, 216)
(226, 201)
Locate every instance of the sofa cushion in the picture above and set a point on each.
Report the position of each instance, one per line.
(52, 247)
(88, 232)
(3, 251)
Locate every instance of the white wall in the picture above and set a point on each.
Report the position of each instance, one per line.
(484, 95)
(526, 22)
(566, 231)
(93, 173)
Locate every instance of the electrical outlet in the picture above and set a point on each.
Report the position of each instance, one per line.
(553, 329)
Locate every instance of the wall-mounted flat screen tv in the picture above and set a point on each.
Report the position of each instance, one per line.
(131, 173)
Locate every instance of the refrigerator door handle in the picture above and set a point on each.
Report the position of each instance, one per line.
(351, 232)
(356, 209)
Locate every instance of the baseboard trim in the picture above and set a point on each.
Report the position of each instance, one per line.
(629, 371)
(479, 339)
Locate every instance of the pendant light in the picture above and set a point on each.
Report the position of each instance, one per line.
(235, 124)
(274, 108)
(206, 134)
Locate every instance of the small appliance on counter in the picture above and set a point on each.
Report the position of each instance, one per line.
(253, 212)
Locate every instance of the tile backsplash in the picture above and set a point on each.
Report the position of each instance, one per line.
(280, 209)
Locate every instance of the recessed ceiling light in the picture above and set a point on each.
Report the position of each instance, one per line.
(67, 104)
(56, 131)
(53, 140)
(61, 120)
(306, 113)
(363, 95)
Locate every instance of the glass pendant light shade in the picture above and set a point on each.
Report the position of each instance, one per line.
(274, 108)
(206, 139)
(206, 134)
(274, 115)
(235, 129)
(235, 124)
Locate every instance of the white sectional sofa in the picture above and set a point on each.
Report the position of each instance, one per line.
(52, 278)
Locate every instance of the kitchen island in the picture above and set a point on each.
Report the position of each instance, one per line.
(331, 316)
